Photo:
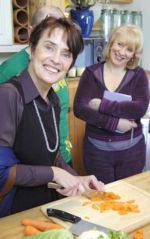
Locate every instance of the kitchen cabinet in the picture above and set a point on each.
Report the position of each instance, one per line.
(148, 74)
(76, 129)
(6, 36)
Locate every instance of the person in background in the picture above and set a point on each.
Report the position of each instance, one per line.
(19, 61)
(29, 135)
(114, 145)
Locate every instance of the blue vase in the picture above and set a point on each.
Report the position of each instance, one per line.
(84, 18)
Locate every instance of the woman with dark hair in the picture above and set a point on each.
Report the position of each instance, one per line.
(112, 97)
(29, 135)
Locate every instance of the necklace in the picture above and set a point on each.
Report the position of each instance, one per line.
(43, 129)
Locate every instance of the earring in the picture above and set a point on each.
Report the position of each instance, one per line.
(131, 61)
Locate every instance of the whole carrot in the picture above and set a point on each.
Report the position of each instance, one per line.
(30, 230)
(40, 225)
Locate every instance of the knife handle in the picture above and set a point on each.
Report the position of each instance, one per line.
(54, 185)
(51, 212)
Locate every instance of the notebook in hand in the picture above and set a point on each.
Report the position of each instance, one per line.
(115, 96)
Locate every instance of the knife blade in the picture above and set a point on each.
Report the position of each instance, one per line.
(78, 224)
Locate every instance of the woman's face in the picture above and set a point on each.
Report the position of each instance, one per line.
(121, 53)
(51, 58)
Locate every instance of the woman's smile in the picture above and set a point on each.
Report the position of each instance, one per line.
(51, 69)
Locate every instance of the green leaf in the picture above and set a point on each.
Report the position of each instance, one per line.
(117, 234)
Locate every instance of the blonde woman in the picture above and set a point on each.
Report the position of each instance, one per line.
(114, 146)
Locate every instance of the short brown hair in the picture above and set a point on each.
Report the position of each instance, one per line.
(132, 36)
(72, 31)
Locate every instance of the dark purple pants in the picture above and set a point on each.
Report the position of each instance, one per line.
(109, 166)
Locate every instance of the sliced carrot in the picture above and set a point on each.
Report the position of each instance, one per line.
(30, 231)
(96, 206)
(86, 203)
(40, 225)
(107, 201)
(95, 199)
(139, 234)
(123, 212)
(95, 196)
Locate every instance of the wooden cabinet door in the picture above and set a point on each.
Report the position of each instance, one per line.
(76, 130)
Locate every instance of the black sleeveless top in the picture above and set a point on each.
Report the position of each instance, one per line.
(30, 149)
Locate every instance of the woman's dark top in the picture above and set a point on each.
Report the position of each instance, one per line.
(101, 124)
(25, 137)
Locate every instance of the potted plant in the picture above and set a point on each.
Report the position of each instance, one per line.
(81, 14)
(79, 4)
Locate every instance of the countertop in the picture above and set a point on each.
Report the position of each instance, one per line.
(11, 228)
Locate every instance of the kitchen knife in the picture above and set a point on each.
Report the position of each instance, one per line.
(78, 225)
(89, 193)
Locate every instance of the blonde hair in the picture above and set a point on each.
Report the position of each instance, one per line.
(132, 36)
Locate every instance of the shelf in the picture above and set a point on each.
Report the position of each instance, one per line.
(12, 48)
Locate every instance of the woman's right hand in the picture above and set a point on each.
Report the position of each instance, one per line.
(125, 125)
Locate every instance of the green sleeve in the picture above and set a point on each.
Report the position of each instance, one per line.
(14, 65)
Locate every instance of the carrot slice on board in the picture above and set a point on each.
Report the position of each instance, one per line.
(86, 203)
(139, 234)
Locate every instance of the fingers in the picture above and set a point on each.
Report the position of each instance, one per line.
(134, 125)
(95, 103)
(101, 186)
(91, 182)
(71, 191)
(97, 185)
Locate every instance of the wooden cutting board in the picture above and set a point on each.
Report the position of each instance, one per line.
(110, 219)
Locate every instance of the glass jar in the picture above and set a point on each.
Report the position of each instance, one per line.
(137, 18)
(105, 19)
(126, 17)
(116, 18)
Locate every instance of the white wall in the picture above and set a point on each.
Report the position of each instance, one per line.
(144, 6)
(139, 5)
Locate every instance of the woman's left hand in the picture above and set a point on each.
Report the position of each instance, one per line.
(85, 182)
(95, 103)
(91, 182)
